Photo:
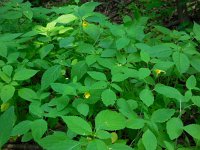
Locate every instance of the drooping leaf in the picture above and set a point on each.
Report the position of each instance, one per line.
(7, 92)
(162, 115)
(196, 30)
(108, 97)
(50, 76)
(174, 128)
(196, 100)
(65, 19)
(63, 89)
(122, 42)
(109, 120)
(97, 75)
(59, 140)
(147, 97)
(7, 120)
(79, 69)
(96, 145)
(21, 128)
(135, 123)
(193, 130)
(149, 140)
(83, 109)
(181, 61)
(24, 74)
(168, 91)
(77, 125)
(119, 146)
(44, 51)
(38, 128)
(191, 82)
(27, 94)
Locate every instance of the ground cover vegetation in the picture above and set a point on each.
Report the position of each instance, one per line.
(70, 79)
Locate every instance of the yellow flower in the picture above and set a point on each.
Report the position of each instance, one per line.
(87, 95)
(84, 23)
(158, 71)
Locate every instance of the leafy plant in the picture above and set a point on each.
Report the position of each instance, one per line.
(70, 79)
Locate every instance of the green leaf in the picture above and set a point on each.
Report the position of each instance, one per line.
(87, 8)
(101, 134)
(191, 82)
(196, 100)
(119, 146)
(3, 50)
(85, 48)
(50, 76)
(36, 109)
(168, 91)
(116, 87)
(38, 128)
(7, 120)
(161, 50)
(122, 43)
(118, 77)
(147, 97)
(125, 108)
(65, 19)
(144, 56)
(5, 77)
(83, 109)
(149, 140)
(7, 69)
(59, 140)
(66, 42)
(24, 74)
(28, 13)
(96, 145)
(162, 115)
(135, 123)
(21, 128)
(77, 125)
(97, 75)
(79, 70)
(93, 31)
(195, 61)
(143, 73)
(109, 120)
(108, 97)
(196, 30)
(181, 61)
(44, 51)
(99, 85)
(174, 128)
(63, 89)
(7, 93)
(27, 94)
(193, 130)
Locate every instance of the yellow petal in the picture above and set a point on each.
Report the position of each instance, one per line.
(84, 23)
(158, 71)
(87, 95)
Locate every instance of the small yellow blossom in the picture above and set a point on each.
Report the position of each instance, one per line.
(87, 95)
(158, 71)
(84, 23)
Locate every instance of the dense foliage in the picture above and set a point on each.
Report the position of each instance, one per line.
(71, 80)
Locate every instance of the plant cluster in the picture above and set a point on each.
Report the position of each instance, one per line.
(72, 80)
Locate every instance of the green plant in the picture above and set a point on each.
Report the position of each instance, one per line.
(110, 86)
